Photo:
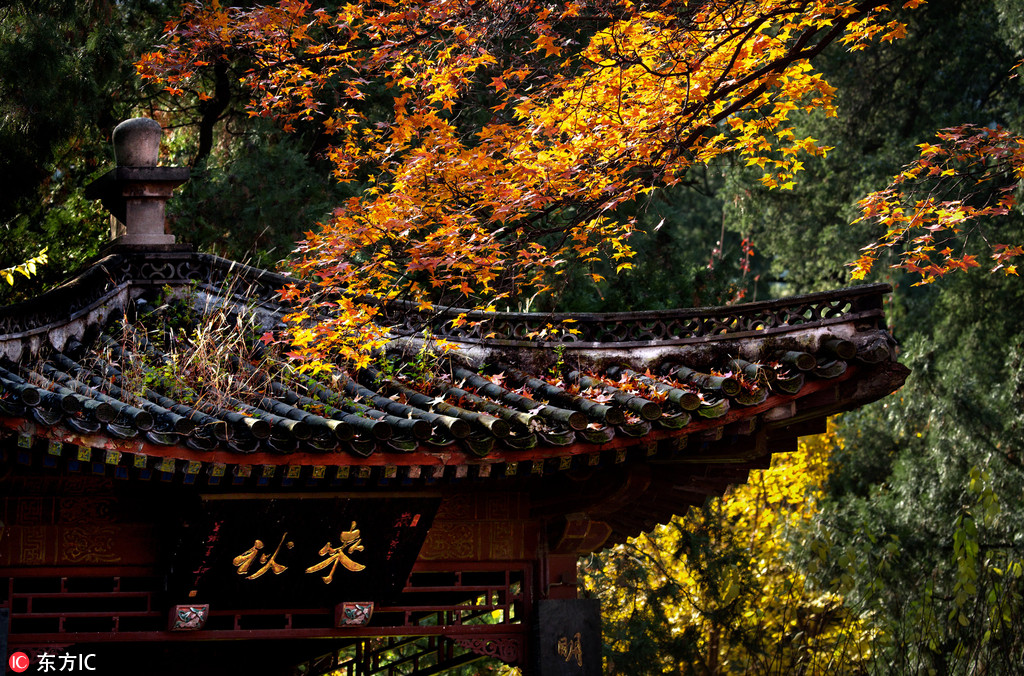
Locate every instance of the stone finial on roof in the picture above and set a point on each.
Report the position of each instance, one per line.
(137, 142)
(137, 190)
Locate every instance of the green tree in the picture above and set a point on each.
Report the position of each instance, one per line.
(254, 196)
(938, 471)
(66, 79)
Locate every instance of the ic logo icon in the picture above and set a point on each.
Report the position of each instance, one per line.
(19, 662)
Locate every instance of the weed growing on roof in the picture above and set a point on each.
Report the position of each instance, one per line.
(198, 346)
(558, 368)
(425, 365)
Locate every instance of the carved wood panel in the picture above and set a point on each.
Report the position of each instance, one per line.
(481, 527)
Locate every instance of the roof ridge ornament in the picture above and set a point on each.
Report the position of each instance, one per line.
(137, 190)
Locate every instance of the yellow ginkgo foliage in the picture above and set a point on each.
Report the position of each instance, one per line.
(717, 591)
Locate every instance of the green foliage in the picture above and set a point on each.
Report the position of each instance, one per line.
(890, 98)
(253, 198)
(66, 78)
(252, 193)
(938, 470)
(684, 257)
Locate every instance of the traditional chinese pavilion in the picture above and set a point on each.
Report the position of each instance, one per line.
(367, 523)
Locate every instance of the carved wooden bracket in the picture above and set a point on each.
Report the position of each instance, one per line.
(508, 649)
(637, 480)
(585, 532)
(581, 535)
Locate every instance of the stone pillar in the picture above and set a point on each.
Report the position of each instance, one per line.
(567, 638)
(136, 192)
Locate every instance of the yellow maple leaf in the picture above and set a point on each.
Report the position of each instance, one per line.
(547, 43)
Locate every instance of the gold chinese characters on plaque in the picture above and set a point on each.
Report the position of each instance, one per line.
(350, 542)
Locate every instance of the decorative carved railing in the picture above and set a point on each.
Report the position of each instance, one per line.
(463, 601)
(109, 276)
(103, 284)
(626, 329)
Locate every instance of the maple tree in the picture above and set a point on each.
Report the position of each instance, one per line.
(494, 141)
(971, 174)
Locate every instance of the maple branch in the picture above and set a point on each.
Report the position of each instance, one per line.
(757, 91)
(211, 111)
(501, 158)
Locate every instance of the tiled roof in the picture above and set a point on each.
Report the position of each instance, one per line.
(699, 395)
